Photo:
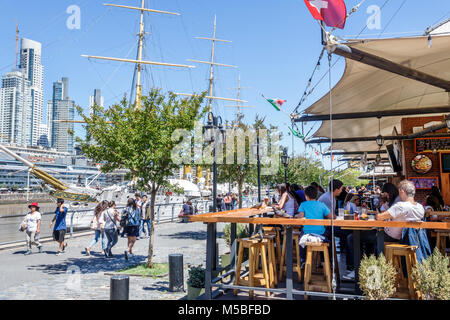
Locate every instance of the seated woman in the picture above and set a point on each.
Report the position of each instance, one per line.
(287, 201)
(351, 202)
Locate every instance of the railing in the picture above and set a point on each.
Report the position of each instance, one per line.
(79, 219)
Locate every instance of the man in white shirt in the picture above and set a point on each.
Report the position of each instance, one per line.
(405, 210)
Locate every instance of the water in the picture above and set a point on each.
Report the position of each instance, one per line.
(22, 209)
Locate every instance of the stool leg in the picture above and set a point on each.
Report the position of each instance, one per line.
(283, 255)
(412, 293)
(274, 265)
(308, 269)
(278, 246)
(264, 266)
(252, 260)
(336, 263)
(327, 268)
(237, 274)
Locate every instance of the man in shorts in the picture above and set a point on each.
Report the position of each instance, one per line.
(59, 225)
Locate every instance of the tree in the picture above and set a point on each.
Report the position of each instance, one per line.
(140, 140)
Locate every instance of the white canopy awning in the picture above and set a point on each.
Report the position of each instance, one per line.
(364, 88)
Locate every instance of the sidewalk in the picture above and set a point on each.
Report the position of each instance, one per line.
(76, 276)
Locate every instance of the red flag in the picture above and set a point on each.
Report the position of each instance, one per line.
(332, 12)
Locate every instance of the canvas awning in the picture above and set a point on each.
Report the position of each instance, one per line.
(365, 88)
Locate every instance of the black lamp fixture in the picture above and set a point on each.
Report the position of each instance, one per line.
(285, 162)
(380, 140)
(447, 121)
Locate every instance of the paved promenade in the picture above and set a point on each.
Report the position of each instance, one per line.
(76, 276)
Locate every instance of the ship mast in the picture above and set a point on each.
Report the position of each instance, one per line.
(139, 62)
(212, 63)
(17, 44)
(238, 105)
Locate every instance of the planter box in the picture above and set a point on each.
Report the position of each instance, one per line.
(194, 293)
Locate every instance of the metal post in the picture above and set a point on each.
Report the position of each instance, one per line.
(285, 174)
(176, 273)
(173, 211)
(157, 214)
(233, 249)
(380, 241)
(119, 288)
(28, 184)
(210, 248)
(289, 284)
(259, 168)
(357, 257)
(71, 224)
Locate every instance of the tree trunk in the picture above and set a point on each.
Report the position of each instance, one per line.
(152, 227)
(240, 184)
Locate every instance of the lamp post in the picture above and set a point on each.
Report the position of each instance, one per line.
(213, 132)
(259, 152)
(285, 162)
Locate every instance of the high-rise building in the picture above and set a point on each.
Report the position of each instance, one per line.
(61, 108)
(15, 104)
(95, 99)
(30, 63)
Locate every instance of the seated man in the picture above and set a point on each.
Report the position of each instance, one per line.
(313, 209)
(405, 210)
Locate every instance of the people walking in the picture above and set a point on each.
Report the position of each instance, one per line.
(132, 212)
(109, 225)
(227, 201)
(33, 229)
(234, 201)
(96, 225)
(145, 217)
(58, 224)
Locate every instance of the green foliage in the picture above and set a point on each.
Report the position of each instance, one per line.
(196, 277)
(143, 270)
(377, 277)
(432, 277)
(140, 140)
(241, 232)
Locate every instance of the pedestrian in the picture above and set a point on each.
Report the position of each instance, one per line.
(58, 224)
(109, 225)
(33, 222)
(96, 225)
(227, 201)
(145, 217)
(133, 213)
(219, 202)
(234, 201)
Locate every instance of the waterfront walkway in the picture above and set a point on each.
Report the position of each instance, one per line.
(76, 276)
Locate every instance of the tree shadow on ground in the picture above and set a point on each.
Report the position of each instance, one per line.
(161, 286)
(195, 235)
(91, 264)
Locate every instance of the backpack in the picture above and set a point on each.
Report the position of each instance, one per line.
(124, 219)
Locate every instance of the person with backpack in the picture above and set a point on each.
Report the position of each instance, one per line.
(33, 227)
(109, 225)
(132, 215)
(96, 226)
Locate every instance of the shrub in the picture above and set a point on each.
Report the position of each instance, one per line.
(377, 277)
(432, 277)
(241, 232)
(196, 277)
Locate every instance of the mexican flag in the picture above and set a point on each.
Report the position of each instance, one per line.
(276, 103)
(296, 133)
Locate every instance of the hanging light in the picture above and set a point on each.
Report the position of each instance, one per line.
(447, 120)
(380, 140)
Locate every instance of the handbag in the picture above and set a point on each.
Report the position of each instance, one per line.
(24, 225)
(94, 223)
(124, 219)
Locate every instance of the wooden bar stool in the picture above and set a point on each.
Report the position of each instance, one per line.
(296, 263)
(275, 231)
(441, 241)
(255, 248)
(317, 284)
(394, 252)
(272, 263)
(318, 268)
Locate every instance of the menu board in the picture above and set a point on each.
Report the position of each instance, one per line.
(430, 144)
(424, 183)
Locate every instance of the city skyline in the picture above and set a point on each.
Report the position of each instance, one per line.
(254, 45)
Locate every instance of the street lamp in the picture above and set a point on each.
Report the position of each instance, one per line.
(285, 162)
(380, 141)
(258, 151)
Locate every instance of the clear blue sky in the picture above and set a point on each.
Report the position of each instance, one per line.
(275, 44)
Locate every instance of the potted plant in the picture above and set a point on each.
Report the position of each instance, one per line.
(377, 277)
(432, 277)
(241, 232)
(196, 282)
